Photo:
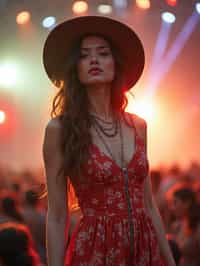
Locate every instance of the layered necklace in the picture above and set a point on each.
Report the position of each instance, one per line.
(104, 129)
(109, 129)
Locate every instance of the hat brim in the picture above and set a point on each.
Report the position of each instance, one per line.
(60, 39)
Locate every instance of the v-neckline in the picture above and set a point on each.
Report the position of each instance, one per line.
(113, 161)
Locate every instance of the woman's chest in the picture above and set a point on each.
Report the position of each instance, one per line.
(119, 148)
(101, 168)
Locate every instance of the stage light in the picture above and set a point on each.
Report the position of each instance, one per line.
(8, 75)
(48, 22)
(158, 54)
(144, 4)
(175, 49)
(23, 17)
(172, 2)
(168, 17)
(120, 3)
(80, 7)
(143, 108)
(198, 8)
(104, 9)
(2, 117)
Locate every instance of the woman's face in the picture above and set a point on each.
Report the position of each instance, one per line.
(96, 63)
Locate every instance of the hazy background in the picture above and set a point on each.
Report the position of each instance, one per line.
(173, 127)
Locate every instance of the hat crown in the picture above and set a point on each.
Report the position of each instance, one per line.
(60, 40)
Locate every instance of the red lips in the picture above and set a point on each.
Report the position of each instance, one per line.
(94, 69)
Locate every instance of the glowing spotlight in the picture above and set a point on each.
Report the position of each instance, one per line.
(48, 22)
(168, 17)
(143, 108)
(144, 4)
(104, 9)
(198, 8)
(8, 75)
(174, 51)
(172, 2)
(2, 117)
(80, 7)
(23, 17)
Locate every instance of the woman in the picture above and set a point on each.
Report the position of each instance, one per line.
(92, 142)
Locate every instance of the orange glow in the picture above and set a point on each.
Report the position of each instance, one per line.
(23, 17)
(8, 120)
(172, 2)
(2, 117)
(144, 4)
(143, 108)
(79, 7)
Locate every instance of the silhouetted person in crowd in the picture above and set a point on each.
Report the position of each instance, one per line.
(17, 190)
(187, 226)
(35, 220)
(10, 211)
(16, 246)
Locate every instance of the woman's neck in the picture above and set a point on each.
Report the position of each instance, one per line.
(100, 105)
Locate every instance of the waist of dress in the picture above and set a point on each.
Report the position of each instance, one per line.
(91, 212)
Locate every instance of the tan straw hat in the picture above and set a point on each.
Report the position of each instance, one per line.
(61, 39)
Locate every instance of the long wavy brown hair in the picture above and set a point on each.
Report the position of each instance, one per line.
(71, 106)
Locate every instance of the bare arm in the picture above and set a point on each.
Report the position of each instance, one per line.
(157, 222)
(57, 213)
(152, 209)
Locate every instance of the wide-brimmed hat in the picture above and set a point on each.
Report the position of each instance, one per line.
(61, 39)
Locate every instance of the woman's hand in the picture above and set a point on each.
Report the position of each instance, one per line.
(170, 262)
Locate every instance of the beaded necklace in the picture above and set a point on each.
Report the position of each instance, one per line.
(107, 146)
(106, 127)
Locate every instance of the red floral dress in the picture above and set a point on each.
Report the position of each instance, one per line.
(102, 237)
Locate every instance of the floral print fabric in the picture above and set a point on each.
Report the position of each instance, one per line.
(102, 236)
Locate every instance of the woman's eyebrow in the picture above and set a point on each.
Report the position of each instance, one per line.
(98, 47)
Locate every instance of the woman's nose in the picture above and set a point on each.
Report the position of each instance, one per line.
(94, 59)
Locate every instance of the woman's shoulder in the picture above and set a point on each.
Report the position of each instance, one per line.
(137, 120)
(53, 132)
(54, 124)
(139, 124)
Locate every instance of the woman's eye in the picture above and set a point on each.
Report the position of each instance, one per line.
(83, 55)
(104, 53)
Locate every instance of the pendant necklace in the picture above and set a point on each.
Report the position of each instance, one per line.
(125, 174)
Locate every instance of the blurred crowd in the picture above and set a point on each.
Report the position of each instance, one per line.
(23, 214)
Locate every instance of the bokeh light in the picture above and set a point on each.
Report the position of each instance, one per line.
(80, 7)
(2, 117)
(48, 22)
(172, 2)
(168, 17)
(8, 75)
(23, 17)
(198, 7)
(104, 9)
(144, 4)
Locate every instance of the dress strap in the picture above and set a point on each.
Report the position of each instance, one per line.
(138, 134)
(131, 116)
